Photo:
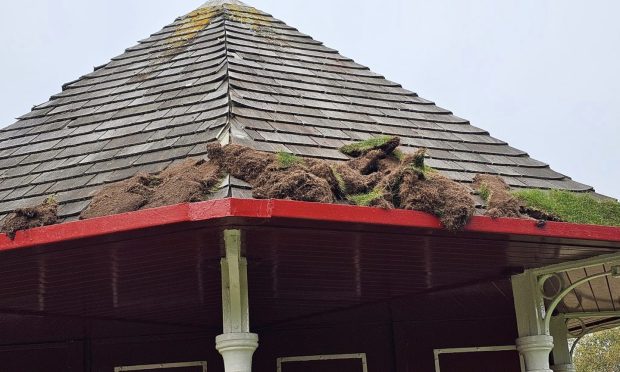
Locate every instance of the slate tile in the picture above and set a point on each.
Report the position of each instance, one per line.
(19, 171)
(163, 155)
(36, 147)
(61, 173)
(40, 189)
(18, 192)
(295, 129)
(81, 193)
(82, 149)
(112, 164)
(48, 165)
(71, 183)
(317, 152)
(287, 138)
(328, 142)
(72, 208)
(7, 162)
(10, 183)
(535, 183)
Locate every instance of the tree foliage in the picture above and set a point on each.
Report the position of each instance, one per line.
(598, 352)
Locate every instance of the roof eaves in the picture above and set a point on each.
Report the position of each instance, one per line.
(214, 210)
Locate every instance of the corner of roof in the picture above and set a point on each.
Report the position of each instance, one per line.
(212, 3)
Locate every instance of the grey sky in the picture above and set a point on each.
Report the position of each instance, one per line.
(542, 75)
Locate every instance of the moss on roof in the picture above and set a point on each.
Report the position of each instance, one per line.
(287, 160)
(361, 147)
(572, 207)
(367, 198)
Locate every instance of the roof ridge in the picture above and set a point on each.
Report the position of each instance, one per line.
(212, 3)
(228, 129)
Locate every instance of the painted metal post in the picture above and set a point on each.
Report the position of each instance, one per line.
(236, 344)
(562, 359)
(533, 343)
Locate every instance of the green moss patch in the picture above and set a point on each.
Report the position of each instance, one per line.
(342, 186)
(365, 199)
(287, 160)
(572, 207)
(362, 147)
(484, 192)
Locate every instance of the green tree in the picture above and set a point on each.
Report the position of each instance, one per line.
(598, 352)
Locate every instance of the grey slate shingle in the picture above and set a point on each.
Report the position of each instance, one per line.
(232, 72)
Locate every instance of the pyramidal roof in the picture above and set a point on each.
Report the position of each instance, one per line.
(231, 73)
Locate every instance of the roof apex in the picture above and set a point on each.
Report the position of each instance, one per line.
(211, 3)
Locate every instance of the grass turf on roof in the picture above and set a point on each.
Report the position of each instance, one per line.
(367, 198)
(361, 147)
(287, 160)
(573, 207)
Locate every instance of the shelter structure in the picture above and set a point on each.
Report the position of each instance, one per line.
(236, 283)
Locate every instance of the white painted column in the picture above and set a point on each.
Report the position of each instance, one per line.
(562, 359)
(236, 344)
(533, 343)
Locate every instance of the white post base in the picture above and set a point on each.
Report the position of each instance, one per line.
(535, 351)
(563, 368)
(237, 350)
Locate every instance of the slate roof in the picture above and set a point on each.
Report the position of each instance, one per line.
(232, 73)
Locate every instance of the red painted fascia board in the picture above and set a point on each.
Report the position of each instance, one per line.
(286, 209)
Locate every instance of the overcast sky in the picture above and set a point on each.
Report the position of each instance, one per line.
(542, 75)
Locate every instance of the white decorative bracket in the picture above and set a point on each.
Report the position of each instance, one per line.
(534, 317)
(236, 344)
(555, 301)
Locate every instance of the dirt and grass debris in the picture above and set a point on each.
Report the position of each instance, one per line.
(502, 202)
(583, 208)
(387, 144)
(496, 194)
(43, 214)
(189, 181)
(417, 187)
(377, 175)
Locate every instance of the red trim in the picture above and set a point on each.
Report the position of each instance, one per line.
(251, 208)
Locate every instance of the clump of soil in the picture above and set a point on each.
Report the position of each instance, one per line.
(190, 181)
(414, 186)
(539, 215)
(121, 197)
(272, 177)
(351, 182)
(496, 192)
(377, 175)
(500, 202)
(386, 144)
(27, 218)
(239, 161)
(296, 183)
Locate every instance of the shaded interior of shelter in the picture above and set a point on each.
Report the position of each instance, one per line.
(154, 296)
(231, 73)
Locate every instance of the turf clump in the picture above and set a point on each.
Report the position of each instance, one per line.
(377, 175)
(385, 143)
(189, 181)
(27, 218)
(573, 207)
(496, 193)
(287, 160)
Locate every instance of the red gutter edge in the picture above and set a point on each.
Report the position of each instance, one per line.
(286, 209)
